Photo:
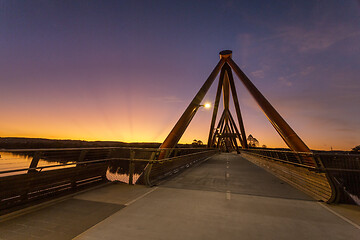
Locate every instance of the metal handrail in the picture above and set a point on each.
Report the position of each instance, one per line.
(93, 148)
(281, 151)
(341, 170)
(289, 162)
(52, 166)
(83, 168)
(313, 154)
(305, 153)
(94, 161)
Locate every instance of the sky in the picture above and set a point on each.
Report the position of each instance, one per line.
(126, 70)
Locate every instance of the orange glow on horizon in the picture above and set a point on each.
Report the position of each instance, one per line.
(122, 129)
(150, 119)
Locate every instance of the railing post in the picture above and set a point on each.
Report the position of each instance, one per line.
(28, 183)
(131, 167)
(299, 158)
(34, 162)
(286, 157)
(80, 159)
(82, 156)
(335, 189)
(167, 153)
(176, 152)
(148, 169)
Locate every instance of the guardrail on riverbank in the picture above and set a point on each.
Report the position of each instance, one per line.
(334, 178)
(55, 172)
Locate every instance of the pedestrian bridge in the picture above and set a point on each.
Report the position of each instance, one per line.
(228, 190)
(224, 196)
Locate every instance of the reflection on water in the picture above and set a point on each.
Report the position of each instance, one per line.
(119, 171)
(116, 171)
(122, 177)
(13, 161)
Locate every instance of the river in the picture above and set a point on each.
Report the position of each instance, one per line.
(13, 161)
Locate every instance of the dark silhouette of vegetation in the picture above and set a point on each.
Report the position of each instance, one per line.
(252, 142)
(197, 142)
(33, 143)
(356, 149)
(36, 143)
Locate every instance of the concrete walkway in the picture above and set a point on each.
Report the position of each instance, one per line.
(226, 197)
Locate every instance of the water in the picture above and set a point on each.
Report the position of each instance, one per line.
(13, 161)
(117, 171)
(121, 177)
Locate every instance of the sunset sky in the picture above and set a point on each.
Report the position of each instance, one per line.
(126, 70)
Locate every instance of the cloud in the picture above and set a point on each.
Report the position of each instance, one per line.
(321, 110)
(345, 129)
(307, 70)
(289, 79)
(317, 37)
(285, 81)
(258, 74)
(245, 41)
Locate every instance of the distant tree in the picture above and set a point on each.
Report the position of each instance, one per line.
(263, 146)
(197, 142)
(253, 142)
(356, 149)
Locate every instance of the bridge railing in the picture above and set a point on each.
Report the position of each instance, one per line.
(35, 175)
(330, 177)
(158, 169)
(301, 159)
(344, 172)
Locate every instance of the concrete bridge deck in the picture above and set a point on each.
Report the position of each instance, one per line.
(226, 197)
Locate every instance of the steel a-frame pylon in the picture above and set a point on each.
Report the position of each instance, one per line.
(226, 133)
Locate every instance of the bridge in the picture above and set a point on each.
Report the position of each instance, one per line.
(227, 190)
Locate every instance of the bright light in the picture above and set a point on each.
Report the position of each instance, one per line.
(207, 105)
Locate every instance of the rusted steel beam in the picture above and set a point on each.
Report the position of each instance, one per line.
(216, 107)
(181, 125)
(231, 126)
(226, 135)
(236, 130)
(237, 107)
(227, 128)
(223, 124)
(217, 131)
(285, 131)
(230, 134)
(236, 145)
(226, 90)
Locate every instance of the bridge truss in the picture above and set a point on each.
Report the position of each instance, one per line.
(226, 134)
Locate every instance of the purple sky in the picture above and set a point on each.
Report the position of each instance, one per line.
(126, 70)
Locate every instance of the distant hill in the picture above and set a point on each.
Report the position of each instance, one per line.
(34, 143)
(26, 143)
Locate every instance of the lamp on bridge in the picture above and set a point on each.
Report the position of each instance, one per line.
(206, 105)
